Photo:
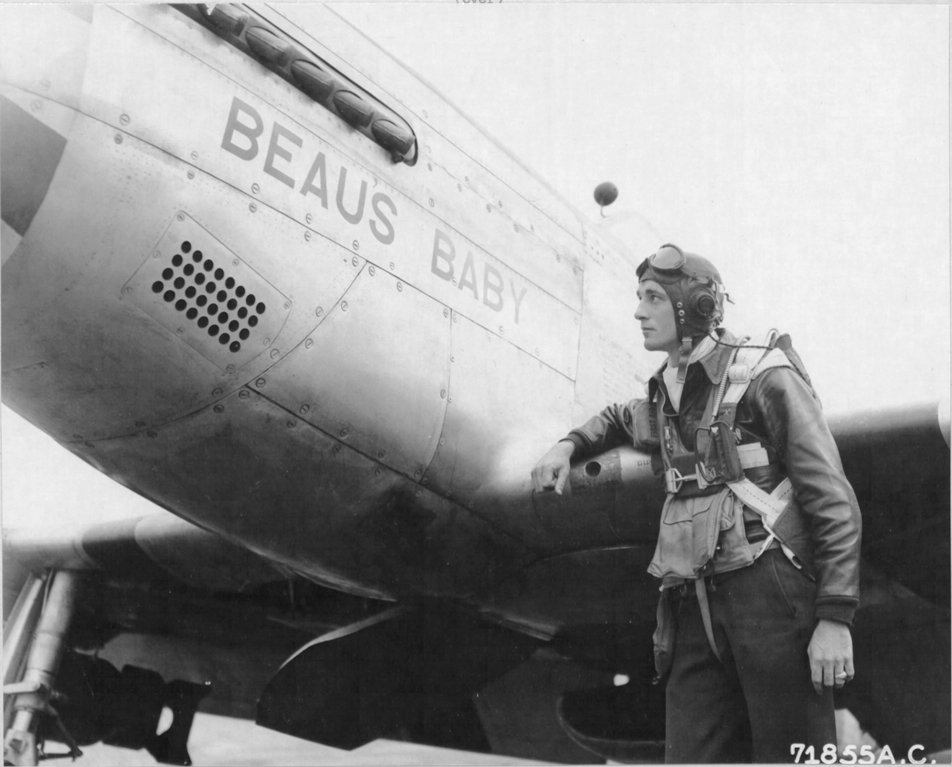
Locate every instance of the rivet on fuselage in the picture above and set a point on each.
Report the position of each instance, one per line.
(307, 236)
(290, 424)
(118, 138)
(255, 188)
(356, 244)
(309, 343)
(217, 392)
(124, 119)
(191, 174)
(194, 156)
(219, 408)
(308, 218)
(446, 312)
(244, 394)
(343, 433)
(305, 409)
(343, 306)
(400, 286)
(253, 208)
(442, 393)
(372, 271)
(319, 311)
(260, 382)
(275, 353)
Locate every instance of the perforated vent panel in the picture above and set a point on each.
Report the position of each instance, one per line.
(205, 294)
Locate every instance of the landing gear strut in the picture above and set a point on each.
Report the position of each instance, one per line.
(27, 699)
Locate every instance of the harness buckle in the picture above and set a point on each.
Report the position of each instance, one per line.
(673, 480)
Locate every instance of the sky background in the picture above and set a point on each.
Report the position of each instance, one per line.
(804, 148)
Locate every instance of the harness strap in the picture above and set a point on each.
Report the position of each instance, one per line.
(700, 589)
(769, 506)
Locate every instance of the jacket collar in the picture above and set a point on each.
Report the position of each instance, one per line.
(714, 363)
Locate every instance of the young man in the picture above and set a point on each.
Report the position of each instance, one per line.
(758, 549)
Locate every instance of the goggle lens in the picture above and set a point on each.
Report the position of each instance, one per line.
(669, 258)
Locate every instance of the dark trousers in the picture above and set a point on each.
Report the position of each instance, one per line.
(758, 699)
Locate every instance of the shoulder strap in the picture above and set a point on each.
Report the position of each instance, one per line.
(747, 363)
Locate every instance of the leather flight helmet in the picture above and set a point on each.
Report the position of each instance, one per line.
(692, 283)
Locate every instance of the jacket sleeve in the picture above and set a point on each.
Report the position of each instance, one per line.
(796, 427)
(630, 423)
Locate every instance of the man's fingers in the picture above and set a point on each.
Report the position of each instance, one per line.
(816, 675)
(562, 476)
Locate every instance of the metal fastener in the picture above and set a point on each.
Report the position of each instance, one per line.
(260, 382)
(124, 119)
(255, 188)
(219, 408)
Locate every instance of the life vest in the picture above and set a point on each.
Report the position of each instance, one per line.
(702, 521)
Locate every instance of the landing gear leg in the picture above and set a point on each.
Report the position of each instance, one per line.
(31, 696)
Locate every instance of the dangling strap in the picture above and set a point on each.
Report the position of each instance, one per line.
(701, 589)
(684, 356)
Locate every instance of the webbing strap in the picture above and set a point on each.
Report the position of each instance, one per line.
(769, 506)
(701, 590)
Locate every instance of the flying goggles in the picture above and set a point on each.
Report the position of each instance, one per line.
(668, 260)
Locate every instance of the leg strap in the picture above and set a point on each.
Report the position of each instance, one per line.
(701, 589)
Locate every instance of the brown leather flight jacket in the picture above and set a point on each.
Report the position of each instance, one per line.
(779, 410)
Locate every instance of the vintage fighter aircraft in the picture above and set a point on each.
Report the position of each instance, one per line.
(266, 278)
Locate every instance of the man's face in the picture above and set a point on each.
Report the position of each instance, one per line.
(656, 315)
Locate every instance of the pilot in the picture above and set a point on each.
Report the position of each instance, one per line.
(759, 543)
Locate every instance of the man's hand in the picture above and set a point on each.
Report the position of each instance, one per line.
(831, 655)
(552, 471)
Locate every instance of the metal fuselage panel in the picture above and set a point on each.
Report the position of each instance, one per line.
(413, 341)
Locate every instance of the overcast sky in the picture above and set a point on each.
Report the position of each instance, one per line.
(804, 148)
